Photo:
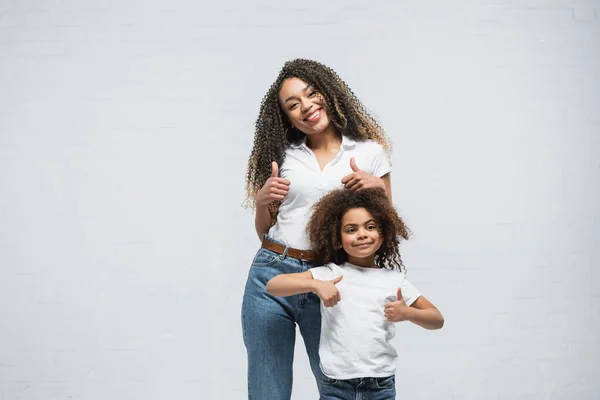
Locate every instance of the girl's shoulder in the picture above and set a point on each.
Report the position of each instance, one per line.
(326, 272)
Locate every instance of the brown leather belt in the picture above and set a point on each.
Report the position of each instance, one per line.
(305, 255)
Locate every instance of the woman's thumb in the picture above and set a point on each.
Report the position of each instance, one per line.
(336, 280)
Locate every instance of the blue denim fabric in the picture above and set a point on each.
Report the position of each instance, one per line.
(269, 328)
(359, 389)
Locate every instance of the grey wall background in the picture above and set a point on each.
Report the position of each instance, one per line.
(125, 128)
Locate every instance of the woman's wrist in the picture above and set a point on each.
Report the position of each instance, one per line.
(260, 202)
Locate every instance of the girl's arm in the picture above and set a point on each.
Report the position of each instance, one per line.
(425, 314)
(302, 282)
(421, 312)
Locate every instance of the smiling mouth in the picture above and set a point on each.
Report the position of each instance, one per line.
(314, 116)
(362, 245)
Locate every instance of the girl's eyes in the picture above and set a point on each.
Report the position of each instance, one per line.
(369, 227)
(312, 94)
(293, 106)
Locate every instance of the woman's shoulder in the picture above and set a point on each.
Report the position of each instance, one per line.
(368, 144)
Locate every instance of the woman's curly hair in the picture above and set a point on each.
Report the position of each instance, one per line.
(325, 226)
(274, 133)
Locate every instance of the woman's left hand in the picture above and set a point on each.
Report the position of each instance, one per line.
(358, 179)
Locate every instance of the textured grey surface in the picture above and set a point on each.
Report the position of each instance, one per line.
(124, 131)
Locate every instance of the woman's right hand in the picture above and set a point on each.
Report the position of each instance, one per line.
(328, 292)
(274, 189)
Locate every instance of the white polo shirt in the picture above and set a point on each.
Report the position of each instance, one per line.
(308, 183)
(355, 335)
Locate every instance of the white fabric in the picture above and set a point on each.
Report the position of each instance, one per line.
(355, 334)
(309, 184)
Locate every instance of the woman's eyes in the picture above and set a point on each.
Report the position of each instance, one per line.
(310, 95)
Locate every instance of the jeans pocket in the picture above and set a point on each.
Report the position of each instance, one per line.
(265, 258)
(387, 382)
(329, 381)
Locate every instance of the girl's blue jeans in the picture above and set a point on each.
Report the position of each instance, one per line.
(359, 389)
(269, 328)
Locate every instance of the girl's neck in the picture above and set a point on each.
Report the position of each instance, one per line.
(328, 140)
(368, 262)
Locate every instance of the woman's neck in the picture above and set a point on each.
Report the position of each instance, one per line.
(329, 139)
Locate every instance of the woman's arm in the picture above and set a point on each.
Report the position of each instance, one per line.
(262, 220)
(274, 189)
(302, 282)
(387, 181)
(359, 179)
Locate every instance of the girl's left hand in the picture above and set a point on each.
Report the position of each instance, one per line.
(358, 179)
(397, 311)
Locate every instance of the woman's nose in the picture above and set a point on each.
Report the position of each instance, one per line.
(306, 105)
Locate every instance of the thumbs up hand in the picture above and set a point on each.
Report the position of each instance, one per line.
(275, 188)
(328, 292)
(397, 311)
(359, 179)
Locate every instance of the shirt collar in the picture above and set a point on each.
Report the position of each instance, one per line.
(346, 143)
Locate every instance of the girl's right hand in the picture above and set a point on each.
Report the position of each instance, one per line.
(274, 189)
(328, 292)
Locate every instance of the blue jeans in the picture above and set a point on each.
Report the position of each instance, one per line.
(359, 389)
(269, 328)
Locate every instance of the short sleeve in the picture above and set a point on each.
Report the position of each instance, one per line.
(409, 293)
(381, 163)
(326, 272)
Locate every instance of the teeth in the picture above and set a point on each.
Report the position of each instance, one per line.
(313, 115)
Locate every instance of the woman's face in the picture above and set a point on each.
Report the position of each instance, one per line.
(304, 106)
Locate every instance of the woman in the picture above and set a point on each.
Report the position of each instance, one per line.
(312, 136)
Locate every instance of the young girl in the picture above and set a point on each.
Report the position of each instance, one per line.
(362, 290)
(312, 136)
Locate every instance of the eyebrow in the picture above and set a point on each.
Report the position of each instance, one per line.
(371, 220)
(292, 97)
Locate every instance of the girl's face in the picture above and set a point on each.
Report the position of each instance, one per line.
(303, 106)
(360, 237)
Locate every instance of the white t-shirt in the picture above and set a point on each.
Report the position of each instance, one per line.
(308, 183)
(355, 334)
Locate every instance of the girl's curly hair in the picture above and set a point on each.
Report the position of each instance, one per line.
(325, 226)
(274, 133)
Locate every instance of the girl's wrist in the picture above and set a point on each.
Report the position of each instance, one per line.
(411, 314)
